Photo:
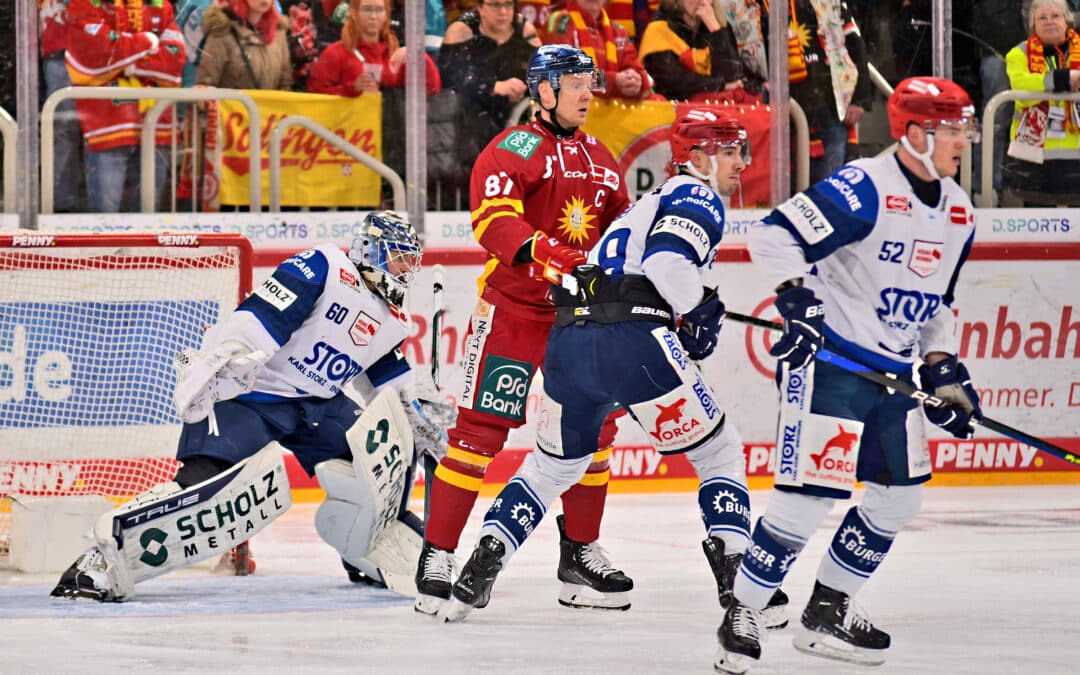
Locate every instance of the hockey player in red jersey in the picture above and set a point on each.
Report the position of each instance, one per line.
(541, 193)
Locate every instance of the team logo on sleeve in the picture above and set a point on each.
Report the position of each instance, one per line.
(807, 218)
(363, 329)
(925, 258)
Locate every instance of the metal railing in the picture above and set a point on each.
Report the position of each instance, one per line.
(397, 186)
(802, 146)
(165, 97)
(10, 132)
(987, 175)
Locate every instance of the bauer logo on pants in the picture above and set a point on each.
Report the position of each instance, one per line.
(504, 388)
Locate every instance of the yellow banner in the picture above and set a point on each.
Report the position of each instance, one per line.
(313, 172)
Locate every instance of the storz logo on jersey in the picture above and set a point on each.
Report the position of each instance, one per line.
(504, 388)
(900, 308)
(329, 360)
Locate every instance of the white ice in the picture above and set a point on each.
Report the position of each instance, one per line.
(984, 581)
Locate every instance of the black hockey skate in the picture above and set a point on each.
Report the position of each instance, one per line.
(724, 567)
(835, 628)
(434, 579)
(589, 579)
(472, 590)
(740, 636)
(86, 578)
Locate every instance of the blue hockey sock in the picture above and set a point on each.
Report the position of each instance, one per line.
(764, 565)
(725, 508)
(856, 551)
(514, 513)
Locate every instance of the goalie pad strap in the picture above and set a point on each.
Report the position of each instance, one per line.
(148, 538)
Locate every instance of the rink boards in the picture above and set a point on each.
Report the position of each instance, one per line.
(1019, 333)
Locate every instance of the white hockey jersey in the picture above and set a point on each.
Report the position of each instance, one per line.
(671, 236)
(883, 263)
(323, 326)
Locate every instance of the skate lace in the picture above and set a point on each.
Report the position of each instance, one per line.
(594, 558)
(856, 617)
(746, 622)
(439, 565)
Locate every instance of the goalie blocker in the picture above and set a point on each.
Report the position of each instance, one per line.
(164, 529)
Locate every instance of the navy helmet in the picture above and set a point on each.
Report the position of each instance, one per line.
(551, 62)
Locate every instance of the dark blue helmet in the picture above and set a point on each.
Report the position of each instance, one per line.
(551, 62)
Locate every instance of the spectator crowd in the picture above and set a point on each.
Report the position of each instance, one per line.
(476, 57)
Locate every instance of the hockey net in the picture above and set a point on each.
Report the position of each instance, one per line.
(89, 327)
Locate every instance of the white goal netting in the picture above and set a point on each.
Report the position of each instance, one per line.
(89, 327)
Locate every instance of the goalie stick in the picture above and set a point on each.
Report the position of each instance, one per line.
(888, 381)
(437, 312)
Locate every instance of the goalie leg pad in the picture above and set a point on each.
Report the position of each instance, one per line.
(160, 533)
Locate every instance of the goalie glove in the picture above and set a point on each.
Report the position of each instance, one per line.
(429, 421)
(948, 380)
(553, 258)
(216, 374)
(700, 326)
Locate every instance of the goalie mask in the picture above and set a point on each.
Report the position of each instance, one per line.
(386, 252)
(707, 131)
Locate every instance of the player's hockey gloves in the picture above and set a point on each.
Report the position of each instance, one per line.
(804, 320)
(552, 258)
(701, 325)
(948, 380)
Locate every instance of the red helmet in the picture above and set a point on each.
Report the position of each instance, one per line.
(929, 101)
(707, 130)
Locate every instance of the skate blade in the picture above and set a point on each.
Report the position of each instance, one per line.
(429, 604)
(775, 618)
(583, 597)
(454, 611)
(730, 662)
(84, 593)
(830, 647)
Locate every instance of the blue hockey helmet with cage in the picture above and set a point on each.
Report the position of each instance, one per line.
(386, 251)
(550, 62)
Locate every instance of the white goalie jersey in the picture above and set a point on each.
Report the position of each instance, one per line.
(862, 233)
(323, 327)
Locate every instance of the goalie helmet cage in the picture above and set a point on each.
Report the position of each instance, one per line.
(89, 327)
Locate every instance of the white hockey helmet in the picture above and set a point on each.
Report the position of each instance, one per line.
(386, 251)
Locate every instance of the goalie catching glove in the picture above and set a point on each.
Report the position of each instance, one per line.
(948, 380)
(553, 258)
(701, 326)
(215, 374)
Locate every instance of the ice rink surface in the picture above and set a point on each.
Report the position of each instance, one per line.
(986, 580)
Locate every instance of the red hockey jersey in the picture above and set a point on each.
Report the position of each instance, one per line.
(108, 45)
(525, 180)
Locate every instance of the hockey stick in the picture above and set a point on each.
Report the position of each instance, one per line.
(437, 312)
(866, 372)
